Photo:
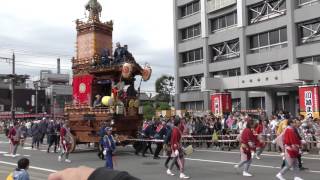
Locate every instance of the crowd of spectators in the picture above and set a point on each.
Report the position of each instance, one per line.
(229, 126)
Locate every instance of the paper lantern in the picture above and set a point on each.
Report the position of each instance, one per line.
(126, 70)
(106, 100)
(131, 103)
(136, 103)
(146, 73)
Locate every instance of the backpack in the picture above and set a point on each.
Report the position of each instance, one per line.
(10, 176)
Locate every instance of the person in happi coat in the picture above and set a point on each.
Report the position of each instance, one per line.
(246, 145)
(177, 150)
(161, 131)
(65, 141)
(109, 146)
(292, 144)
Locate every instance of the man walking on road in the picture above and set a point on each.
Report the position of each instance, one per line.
(109, 146)
(36, 135)
(160, 133)
(14, 137)
(246, 145)
(292, 144)
(43, 129)
(177, 151)
(52, 135)
(64, 143)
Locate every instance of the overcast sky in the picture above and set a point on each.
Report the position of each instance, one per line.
(39, 31)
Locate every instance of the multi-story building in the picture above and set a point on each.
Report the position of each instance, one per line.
(58, 91)
(259, 50)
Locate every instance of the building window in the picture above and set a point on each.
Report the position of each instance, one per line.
(225, 50)
(191, 83)
(302, 3)
(268, 67)
(214, 5)
(224, 22)
(227, 73)
(309, 31)
(313, 60)
(192, 57)
(266, 10)
(191, 32)
(268, 40)
(189, 9)
(193, 105)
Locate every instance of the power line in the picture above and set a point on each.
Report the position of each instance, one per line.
(46, 67)
(41, 55)
(40, 64)
(28, 51)
(46, 64)
(37, 67)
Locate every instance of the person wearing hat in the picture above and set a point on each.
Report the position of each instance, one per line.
(97, 101)
(109, 147)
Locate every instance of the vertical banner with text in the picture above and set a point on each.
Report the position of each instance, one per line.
(309, 100)
(221, 103)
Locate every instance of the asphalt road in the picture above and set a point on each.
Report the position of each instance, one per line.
(204, 164)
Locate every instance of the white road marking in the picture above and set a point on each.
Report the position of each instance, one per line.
(31, 167)
(10, 155)
(234, 163)
(269, 155)
(3, 152)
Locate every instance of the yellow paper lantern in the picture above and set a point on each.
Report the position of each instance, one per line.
(106, 100)
(131, 103)
(136, 103)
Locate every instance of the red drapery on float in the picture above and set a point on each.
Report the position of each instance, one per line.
(82, 89)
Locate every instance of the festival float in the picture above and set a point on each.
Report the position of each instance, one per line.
(103, 83)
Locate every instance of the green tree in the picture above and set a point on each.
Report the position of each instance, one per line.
(163, 106)
(164, 88)
(148, 110)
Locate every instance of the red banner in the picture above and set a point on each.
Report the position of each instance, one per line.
(82, 89)
(221, 103)
(309, 100)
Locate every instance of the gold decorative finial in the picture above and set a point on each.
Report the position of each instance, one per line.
(95, 9)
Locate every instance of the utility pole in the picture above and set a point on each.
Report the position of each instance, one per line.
(14, 79)
(13, 83)
(36, 86)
